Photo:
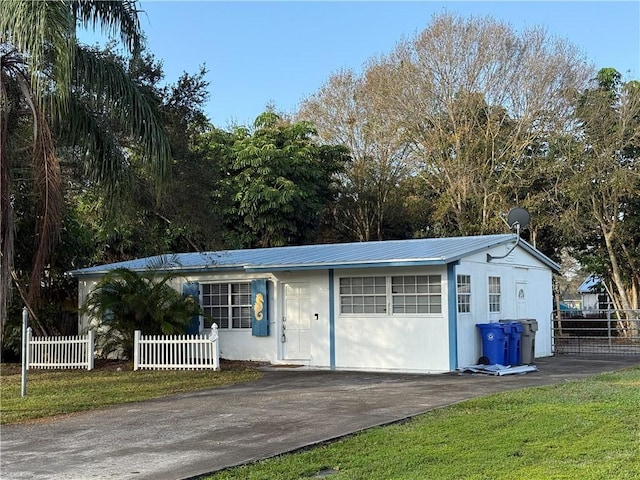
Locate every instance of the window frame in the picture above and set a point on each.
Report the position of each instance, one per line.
(463, 298)
(388, 303)
(238, 313)
(426, 293)
(354, 294)
(494, 296)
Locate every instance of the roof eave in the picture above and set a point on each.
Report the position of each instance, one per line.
(540, 256)
(527, 246)
(178, 269)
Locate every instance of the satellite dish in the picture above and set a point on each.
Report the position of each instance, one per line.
(518, 217)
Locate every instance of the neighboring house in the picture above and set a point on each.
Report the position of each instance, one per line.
(594, 295)
(401, 305)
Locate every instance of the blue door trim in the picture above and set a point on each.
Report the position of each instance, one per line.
(453, 315)
(332, 323)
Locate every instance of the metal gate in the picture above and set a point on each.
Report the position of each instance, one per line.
(605, 332)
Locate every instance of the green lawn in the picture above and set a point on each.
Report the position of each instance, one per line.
(580, 430)
(55, 392)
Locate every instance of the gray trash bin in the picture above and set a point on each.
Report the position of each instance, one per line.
(528, 340)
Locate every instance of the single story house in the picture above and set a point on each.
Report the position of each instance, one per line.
(594, 295)
(394, 306)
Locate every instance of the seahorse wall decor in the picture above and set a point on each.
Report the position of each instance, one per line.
(258, 307)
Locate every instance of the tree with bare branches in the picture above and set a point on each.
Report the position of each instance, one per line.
(345, 112)
(467, 105)
(473, 97)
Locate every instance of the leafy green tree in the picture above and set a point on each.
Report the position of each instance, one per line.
(278, 181)
(72, 96)
(125, 301)
(182, 218)
(97, 229)
(604, 185)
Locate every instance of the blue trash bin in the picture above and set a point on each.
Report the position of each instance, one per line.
(495, 342)
(514, 356)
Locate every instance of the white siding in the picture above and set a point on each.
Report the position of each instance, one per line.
(589, 301)
(240, 344)
(519, 269)
(388, 342)
(393, 342)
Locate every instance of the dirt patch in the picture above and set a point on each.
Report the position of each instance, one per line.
(10, 369)
(240, 364)
(124, 365)
(112, 365)
(119, 365)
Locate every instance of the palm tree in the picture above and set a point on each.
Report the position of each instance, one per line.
(125, 301)
(76, 98)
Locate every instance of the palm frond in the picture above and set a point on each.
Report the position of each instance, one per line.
(47, 184)
(127, 300)
(41, 31)
(38, 49)
(105, 164)
(128, 106)
(113, 18)
(162, 262)
(48, 187)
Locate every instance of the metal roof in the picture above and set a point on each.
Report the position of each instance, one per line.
(427, 251)
(591, 284)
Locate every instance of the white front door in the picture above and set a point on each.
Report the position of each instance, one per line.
(297, 321)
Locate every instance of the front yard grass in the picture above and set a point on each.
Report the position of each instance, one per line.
(584, 430)
(56, 392)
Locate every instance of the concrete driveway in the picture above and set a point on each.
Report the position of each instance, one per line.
(187, 435)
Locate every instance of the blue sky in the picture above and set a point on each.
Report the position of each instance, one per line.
(264, 52)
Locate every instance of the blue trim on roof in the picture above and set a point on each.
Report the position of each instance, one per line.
(389, 253)
(452, 315)
(316, 266)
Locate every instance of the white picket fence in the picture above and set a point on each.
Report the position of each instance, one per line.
(176, 352)
(168, 352)
(75, 351)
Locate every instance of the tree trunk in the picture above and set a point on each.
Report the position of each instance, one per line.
(615, 271)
